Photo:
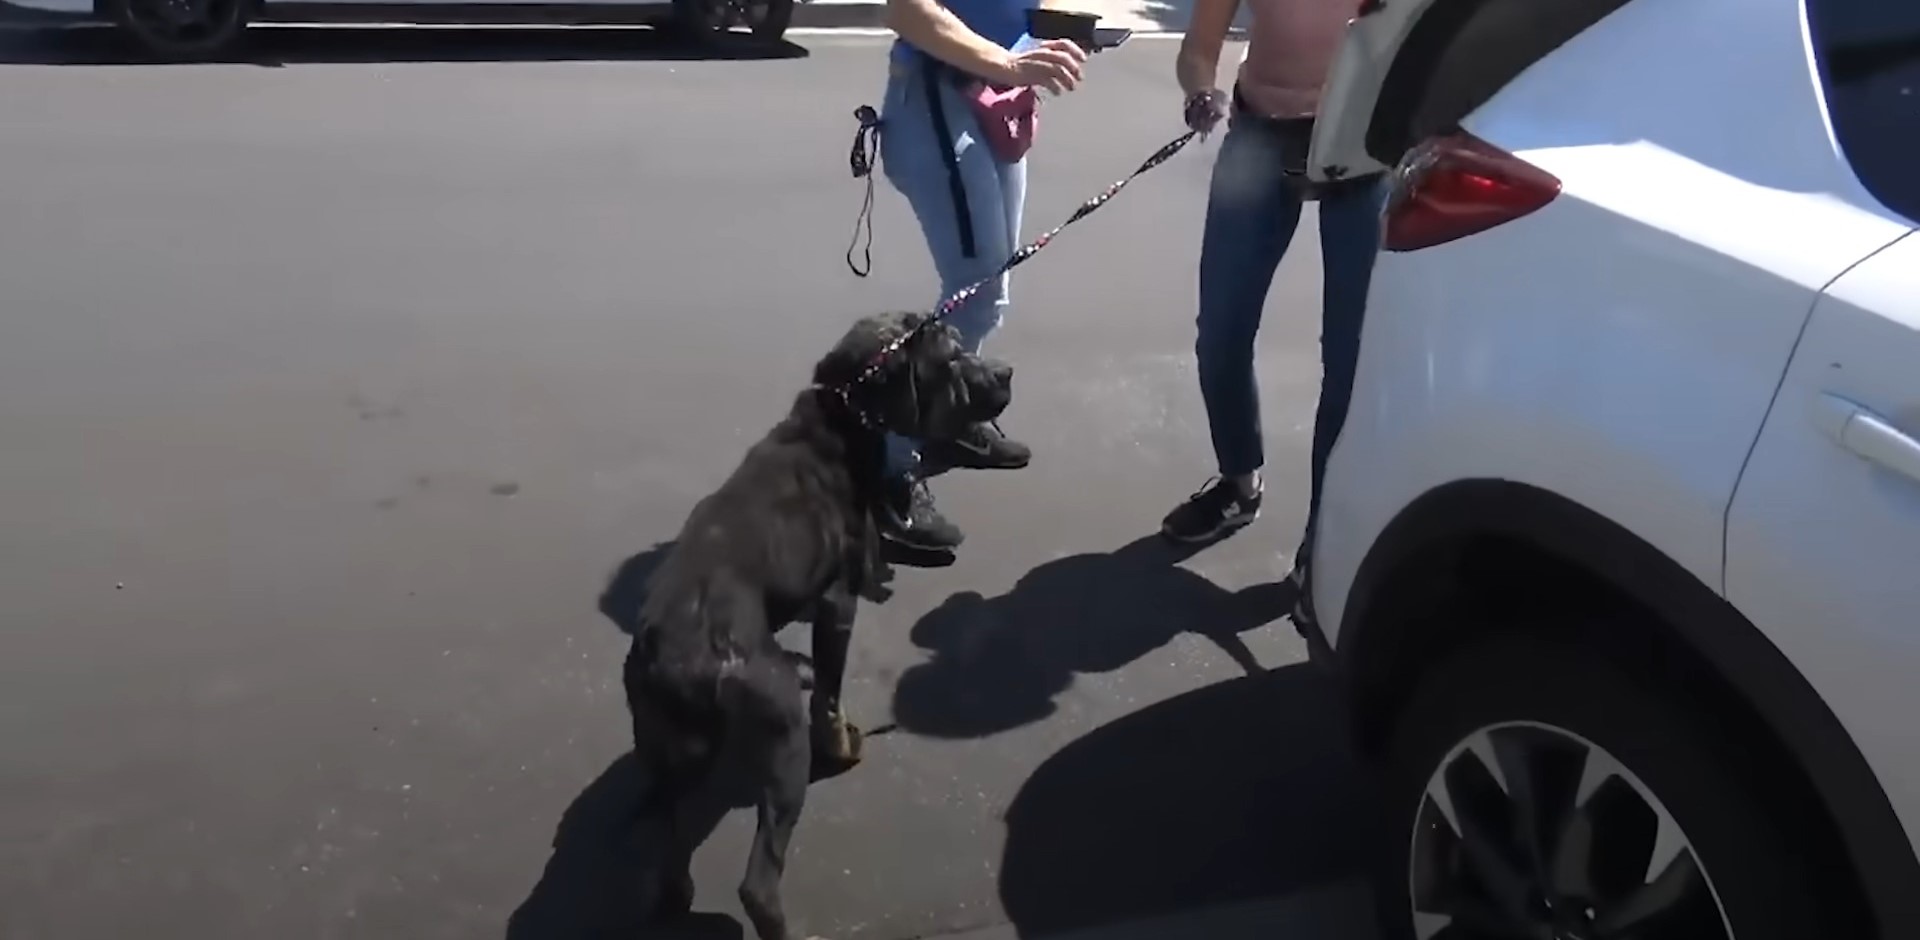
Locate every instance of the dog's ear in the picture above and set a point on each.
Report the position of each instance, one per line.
(862, 346)
(839, 366)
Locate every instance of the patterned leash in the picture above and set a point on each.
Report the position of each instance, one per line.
(863, 166)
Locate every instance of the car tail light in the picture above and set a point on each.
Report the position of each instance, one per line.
(1459, 185)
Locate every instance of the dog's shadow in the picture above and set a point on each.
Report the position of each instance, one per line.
(999, 662)
(595, 883)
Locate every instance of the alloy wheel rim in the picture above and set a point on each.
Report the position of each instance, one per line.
(1528, 830)
(748, 14)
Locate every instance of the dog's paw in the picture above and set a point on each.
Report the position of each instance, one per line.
(876, 593)
(837, 745)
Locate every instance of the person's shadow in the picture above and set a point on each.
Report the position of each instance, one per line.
(998, 662)
(1242, 791)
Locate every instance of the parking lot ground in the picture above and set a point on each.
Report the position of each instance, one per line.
(334, 383)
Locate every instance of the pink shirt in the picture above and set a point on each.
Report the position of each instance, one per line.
(1290, 48)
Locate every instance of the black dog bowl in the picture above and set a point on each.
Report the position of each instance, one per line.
(1043, 23)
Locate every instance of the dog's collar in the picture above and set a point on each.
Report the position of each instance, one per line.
(843, 391)
(839, 398)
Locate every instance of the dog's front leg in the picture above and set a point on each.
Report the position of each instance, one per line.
(874, 571)
(836, 742)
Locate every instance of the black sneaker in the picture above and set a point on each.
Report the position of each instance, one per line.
(1215, 511)
(909, 518)
(983, 447)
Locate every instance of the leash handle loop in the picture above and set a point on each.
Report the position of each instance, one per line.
(864, 157)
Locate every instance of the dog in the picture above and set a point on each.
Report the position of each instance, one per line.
(791, 535)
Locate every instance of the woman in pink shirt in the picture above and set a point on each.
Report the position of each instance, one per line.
(1253, 207)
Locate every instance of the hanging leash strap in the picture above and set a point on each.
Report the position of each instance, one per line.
(961, 296)
(865, 155)
(931, 70)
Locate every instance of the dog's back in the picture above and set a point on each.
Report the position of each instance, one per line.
(751, 557)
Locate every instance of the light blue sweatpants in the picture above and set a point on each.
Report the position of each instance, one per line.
(913, 159)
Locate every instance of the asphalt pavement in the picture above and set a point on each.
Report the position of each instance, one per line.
(334, 383)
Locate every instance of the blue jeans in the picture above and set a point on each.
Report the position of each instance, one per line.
(913, 158)
(1251, 216)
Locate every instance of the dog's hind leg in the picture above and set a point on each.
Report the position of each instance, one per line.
(776, 717)
(697, 811)
(676, 810)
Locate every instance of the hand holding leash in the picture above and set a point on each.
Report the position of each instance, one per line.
(1204, 111)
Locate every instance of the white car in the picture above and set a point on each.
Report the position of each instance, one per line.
(1619, 555)
(204, 29)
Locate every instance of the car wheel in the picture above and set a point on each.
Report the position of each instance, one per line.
(767, 20)
(1538, 790)
(182, 30)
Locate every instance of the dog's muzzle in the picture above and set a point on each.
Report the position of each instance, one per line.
(989, 389)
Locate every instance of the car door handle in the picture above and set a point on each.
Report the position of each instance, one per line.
(1870, 436)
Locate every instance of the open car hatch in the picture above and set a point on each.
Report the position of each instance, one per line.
(1373, 40)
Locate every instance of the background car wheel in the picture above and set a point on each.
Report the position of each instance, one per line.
(767, 20)
(1536, 790)
(182, 30)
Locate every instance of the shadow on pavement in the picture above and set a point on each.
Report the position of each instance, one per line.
(1238, 791)
(595, 883)
(275, 46)
(600, 880)
(998, 662)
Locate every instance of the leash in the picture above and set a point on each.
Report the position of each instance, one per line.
(866, 153)
(864, 141)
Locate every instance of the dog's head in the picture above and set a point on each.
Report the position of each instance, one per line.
(929, 387)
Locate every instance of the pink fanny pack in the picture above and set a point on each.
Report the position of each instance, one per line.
(1009, 118)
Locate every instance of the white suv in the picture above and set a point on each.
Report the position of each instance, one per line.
(1619, 552)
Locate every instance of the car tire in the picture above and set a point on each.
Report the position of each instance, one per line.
(1498, 729)
(767, 20)
(772, 24)
(181, 30)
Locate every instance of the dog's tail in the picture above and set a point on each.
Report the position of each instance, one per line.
(627, 589)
